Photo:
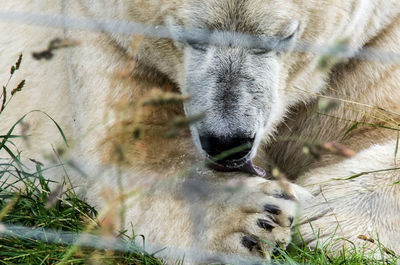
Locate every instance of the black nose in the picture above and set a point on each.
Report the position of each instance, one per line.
(226, 148)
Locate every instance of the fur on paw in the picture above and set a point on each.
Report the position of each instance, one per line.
(256, 218)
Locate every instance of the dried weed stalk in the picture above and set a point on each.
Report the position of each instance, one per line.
(14, 68)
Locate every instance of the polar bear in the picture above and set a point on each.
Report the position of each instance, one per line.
(245, 78)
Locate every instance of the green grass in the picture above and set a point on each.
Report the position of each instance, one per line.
(30, 207)
(323, 254)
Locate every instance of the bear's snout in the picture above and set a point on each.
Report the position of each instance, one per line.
(225, 149)
(229, 154)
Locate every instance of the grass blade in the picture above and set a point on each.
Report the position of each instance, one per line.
(9, 134)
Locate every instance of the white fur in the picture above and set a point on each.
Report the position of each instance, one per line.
(78, 86)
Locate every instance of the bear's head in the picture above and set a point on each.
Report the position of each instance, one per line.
(243, 65)
(238, 67)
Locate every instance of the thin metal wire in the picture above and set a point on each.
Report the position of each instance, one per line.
(158, 31)
(117, 244)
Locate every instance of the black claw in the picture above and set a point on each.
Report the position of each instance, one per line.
(266, 224)
(291, 219)
(283, 195)
(249, 242)
(272, 209)
(276, 251)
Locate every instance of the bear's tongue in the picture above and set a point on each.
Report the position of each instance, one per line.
(247, 167)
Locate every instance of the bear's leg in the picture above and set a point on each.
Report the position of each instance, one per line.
(357, 199)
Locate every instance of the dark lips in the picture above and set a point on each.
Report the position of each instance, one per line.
(243, 165)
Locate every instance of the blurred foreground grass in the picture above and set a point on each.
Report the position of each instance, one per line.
(31, 208)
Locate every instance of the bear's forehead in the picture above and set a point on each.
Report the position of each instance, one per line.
(247, 16)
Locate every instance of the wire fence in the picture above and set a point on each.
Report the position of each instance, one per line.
(159, 31)
(120, 245)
